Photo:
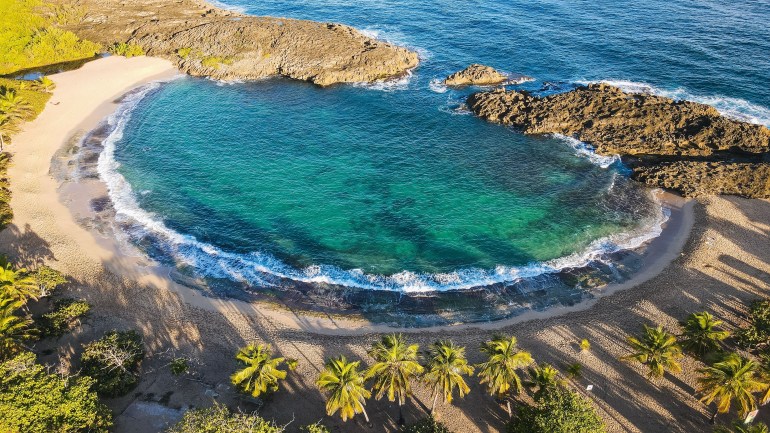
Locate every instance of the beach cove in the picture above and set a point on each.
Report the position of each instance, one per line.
(722, 265)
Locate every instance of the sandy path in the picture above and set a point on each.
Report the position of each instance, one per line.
(724, 263)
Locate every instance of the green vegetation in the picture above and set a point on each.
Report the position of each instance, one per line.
(15, 328)
(262, 371)
(445, 371)
(216, 61)
(113, 361)
(184, 52)
(499, 371)
(757, 334)
(585, 345)
(64, 317)
(17, 284)
(29, 37)
(658, 350)
(575, 370)
(34, 401)
(315, 428)
(48, 280)
(344, 386)
(543, 378)
(734, 378)
(179, 366)
(126, 49)
(739, 427)
(701, 333)
(6, 213)
(426, 425)
(557, 411)
(218, 419)
(395, 366)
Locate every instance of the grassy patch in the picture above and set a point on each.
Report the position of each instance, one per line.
(29, 37)
(26, 89)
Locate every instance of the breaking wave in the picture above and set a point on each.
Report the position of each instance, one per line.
(259, 268)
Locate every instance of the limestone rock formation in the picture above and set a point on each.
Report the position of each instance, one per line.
(476, 74)
(680, 145)
(207, 41)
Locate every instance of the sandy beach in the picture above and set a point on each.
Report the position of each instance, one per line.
(712, 255)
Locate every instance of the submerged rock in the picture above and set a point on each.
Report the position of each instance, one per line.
(476, 74)
(207, 41)
(680, 145)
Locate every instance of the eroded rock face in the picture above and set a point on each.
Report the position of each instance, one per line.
(476, 74)
(206, 41)
(679, 145)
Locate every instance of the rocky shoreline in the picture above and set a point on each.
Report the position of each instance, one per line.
(206, 41)
(682, 146)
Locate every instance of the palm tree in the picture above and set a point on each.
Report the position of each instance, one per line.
(739, 427)
(13, 329)
(394, 368)
(14, 106)
(17, 284)
(499, 371)
(445, 371)
(732, 378)
(7, 127)
(701, 334)
(543, 378)
(658, 350)
(345, 386)
(261, 373)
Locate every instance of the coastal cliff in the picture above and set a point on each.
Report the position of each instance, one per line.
(206, 41)
(679, 145)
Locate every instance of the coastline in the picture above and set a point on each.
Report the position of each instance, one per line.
(77, 199)
(712, 255)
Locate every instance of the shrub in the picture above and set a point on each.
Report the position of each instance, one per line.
(64, 316)
(426, 425)
(179, 366)
(557, 411)
(758, 332)
(218, 419)
(48, 279)
(126, 49)
(113, 361)
(585, 345)
(215, 61)
(184, 52)
(575, 371)
(34, 401)
(315, 428)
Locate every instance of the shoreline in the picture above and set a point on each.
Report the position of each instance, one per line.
(657, 253)
(724, 263)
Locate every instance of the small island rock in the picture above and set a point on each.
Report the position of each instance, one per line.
(476, 74)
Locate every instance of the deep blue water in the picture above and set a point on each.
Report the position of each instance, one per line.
(392, 185)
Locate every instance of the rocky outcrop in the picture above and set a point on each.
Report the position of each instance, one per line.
(476, 74)
(207, 41)
(679, 145)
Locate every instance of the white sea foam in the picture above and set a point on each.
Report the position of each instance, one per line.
(228, 7)
(585, 150)
(437, 86)
(395, 37)
(734, 108)
(257, 267)
(388, 84)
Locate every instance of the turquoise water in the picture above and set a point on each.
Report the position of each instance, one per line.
(393, 185)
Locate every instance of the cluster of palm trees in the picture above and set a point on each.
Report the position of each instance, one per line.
(727, 378)
(396, 366)
(17, 288)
